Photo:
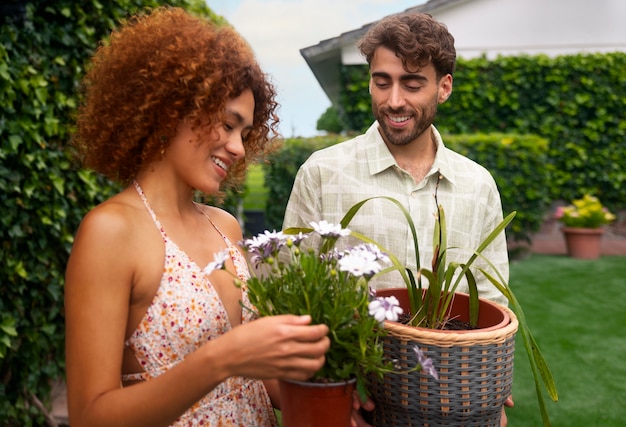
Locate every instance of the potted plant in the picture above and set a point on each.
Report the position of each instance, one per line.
(396, 362)
(332, 287)
(475, 366)
(583, 226)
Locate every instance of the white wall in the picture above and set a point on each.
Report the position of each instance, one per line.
(553, 27)
(511, 27)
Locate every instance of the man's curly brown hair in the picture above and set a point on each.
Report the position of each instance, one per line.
(157, 69)
(416, 38)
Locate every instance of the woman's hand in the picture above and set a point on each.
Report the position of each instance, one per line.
(283, 347)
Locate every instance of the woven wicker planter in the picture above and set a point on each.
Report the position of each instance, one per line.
(475, 372)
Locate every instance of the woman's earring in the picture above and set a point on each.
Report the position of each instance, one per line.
(163, 142)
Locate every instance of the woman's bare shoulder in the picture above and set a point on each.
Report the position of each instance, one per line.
(118, 226)
(114, 217)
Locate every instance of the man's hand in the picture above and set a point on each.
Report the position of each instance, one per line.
(357, 406)
(508, 403)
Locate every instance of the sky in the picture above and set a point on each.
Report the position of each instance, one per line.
(278, 29)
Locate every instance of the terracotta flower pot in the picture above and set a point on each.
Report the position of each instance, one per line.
(491, 316)
(308, 404)
(583, 243)
(475, 369)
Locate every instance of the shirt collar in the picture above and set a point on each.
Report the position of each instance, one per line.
(379, 158)
(443, 158)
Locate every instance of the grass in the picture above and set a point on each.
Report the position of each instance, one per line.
(577, 313)
(256, 195)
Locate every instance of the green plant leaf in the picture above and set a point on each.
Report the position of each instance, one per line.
(539, 368)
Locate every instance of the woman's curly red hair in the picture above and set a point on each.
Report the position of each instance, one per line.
(157, 69)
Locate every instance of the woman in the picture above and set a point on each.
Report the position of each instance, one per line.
(173, 105)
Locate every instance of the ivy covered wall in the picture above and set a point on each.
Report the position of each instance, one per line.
(44, 46)
(576, 102)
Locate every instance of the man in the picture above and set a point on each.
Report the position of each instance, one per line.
(411, 59)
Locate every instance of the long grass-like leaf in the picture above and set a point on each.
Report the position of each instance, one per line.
(414, 289)
(532, 346)
(414, 285)
(473, 298)
(537, 362)
(441, 238)
(490, 238)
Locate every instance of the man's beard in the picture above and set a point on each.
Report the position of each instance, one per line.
(423, 120)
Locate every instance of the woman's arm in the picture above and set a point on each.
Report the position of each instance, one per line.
(100, 276)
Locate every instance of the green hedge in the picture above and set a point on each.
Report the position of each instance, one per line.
(519, 165)
(577, 102)
(44, 195)
(356, 106)
(280, 173)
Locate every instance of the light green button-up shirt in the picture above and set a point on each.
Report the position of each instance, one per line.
(333, 179)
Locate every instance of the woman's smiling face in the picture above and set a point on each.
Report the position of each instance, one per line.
(203, 157)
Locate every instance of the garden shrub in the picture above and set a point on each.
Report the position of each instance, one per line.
(577, 102)
(519, 166)
(281, 169)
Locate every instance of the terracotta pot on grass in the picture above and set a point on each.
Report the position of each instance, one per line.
(583, 243)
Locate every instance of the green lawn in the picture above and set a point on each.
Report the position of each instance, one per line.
(256, 195)
(577, 312)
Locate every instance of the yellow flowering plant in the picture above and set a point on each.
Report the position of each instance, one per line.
(586, 212)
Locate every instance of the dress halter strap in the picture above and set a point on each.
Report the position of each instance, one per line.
(144, 199)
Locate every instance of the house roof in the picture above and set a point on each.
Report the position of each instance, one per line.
(325, 58)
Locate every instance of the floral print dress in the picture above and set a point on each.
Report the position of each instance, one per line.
(185, 313)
